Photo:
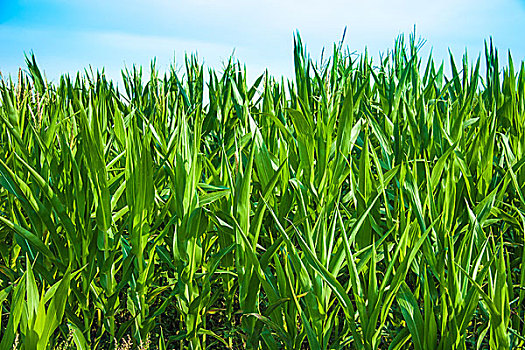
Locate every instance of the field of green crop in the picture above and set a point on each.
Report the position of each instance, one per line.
(358, 205)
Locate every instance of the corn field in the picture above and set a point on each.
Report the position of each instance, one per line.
(359, 205)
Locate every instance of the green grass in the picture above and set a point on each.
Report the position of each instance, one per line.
(359, 205)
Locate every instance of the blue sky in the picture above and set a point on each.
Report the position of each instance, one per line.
(68, 36)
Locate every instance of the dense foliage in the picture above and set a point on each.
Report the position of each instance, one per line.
(355, 206)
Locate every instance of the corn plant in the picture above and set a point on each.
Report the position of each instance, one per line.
(358, 204)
